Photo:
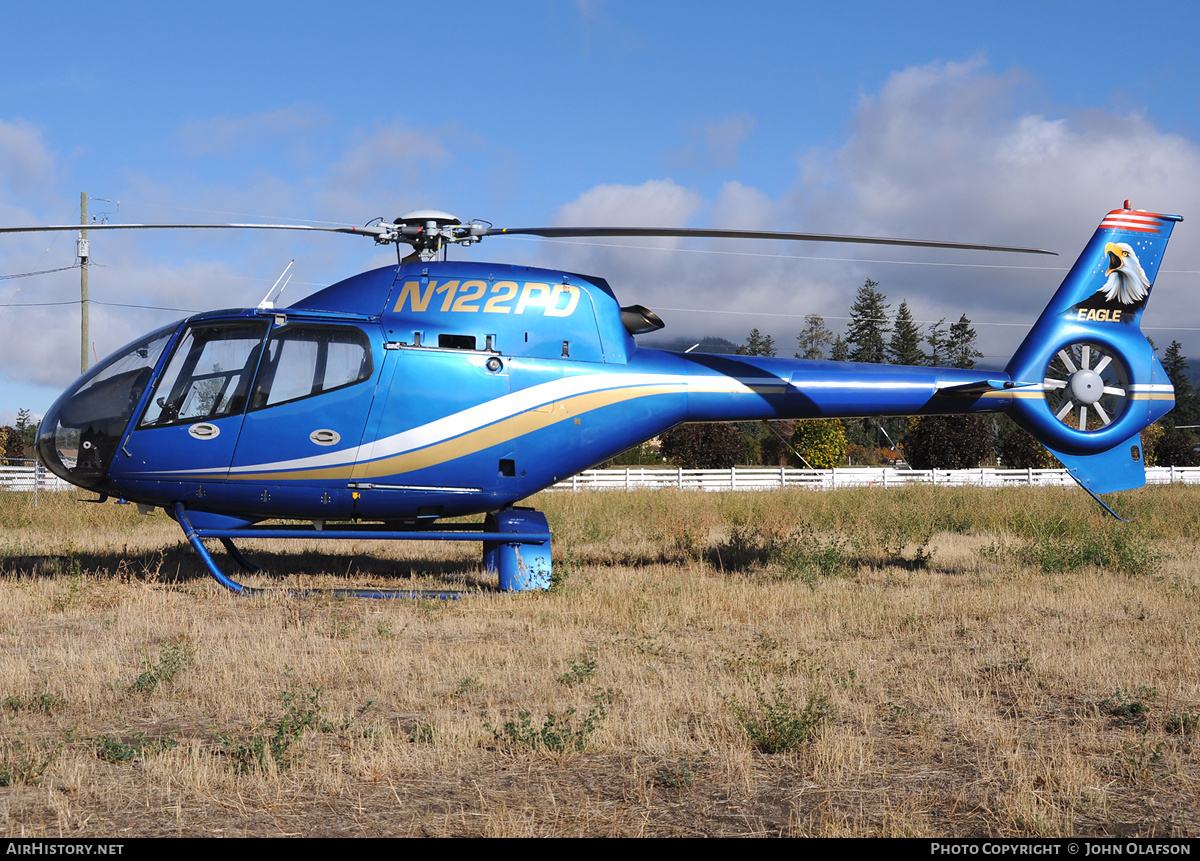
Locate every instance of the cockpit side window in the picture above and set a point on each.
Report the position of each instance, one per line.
(303, 361)
(208, 376)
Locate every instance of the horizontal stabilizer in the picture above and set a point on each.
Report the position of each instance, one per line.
(980, 388)
(1120, 468)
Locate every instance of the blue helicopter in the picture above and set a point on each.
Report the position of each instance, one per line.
(432, 389)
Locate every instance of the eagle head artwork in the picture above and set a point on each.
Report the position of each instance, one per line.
(1127, 282)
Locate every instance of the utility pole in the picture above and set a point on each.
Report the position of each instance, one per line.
(83, 284)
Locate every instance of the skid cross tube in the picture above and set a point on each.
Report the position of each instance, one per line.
(495, 543)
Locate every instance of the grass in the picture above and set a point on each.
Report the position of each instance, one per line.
(24, 763)
(173, 659)
(270, 744)
(917, 661)
(558, 733)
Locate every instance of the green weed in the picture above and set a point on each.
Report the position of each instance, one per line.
(847, 681)
(469, 685)
(1186, 723)
(795, 554)
(344, 629)
(1126, 706)
(75, 586)
(1140, 761)
(174, 657)
(583, 667)
(561, 570)
(271, 741)
(909, 720)
(112, 749)
(421, 734)
(558, 732)
(22, 764)
(807, 557)
(769, 658)
(777, 726)
(682, 774)
(41, 701)
(1117, 548)
(893, 539)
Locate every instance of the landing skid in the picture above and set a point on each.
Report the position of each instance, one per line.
(516, 547)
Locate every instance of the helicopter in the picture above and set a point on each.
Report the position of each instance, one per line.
(384, 404)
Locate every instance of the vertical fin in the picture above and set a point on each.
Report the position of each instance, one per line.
(1101, 382)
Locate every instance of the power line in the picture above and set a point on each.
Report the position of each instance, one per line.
(108, 304)
(39, 272)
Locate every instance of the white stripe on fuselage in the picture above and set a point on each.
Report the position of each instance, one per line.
(506, 406)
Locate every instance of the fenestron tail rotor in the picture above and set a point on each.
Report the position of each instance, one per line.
(1087, 386)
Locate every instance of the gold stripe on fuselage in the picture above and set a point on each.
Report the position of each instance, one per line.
(504, 430)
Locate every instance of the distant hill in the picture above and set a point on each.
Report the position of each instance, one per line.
(707, 344)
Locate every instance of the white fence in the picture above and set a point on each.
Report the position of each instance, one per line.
(29, 475)
(753, 478)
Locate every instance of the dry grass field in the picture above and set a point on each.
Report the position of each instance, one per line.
(927, 661)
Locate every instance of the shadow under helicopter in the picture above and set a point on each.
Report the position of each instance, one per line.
(277, 573)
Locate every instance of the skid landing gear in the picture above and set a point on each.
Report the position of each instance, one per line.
(516, 546)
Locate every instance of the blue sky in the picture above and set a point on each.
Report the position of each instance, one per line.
(1022, 124)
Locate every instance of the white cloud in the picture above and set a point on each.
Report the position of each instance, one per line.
(393, 148)
(654, 203)
(744, 207)
(26, 165)
(942, 153)
(589, 9)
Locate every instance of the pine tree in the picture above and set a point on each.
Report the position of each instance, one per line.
(757, 345)
(1187, 405)
(840, 351)
(813, 338)
(905, 346)
(1176, 366)
(938, 344)
(26, 428)
(868, 330)
(960, 346)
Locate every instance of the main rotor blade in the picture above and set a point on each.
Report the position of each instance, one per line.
(714, 233)
(370, 230)
(387, 233)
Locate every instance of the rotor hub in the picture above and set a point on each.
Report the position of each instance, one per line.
(430, 219)
(1086, 386)
(428, 231)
